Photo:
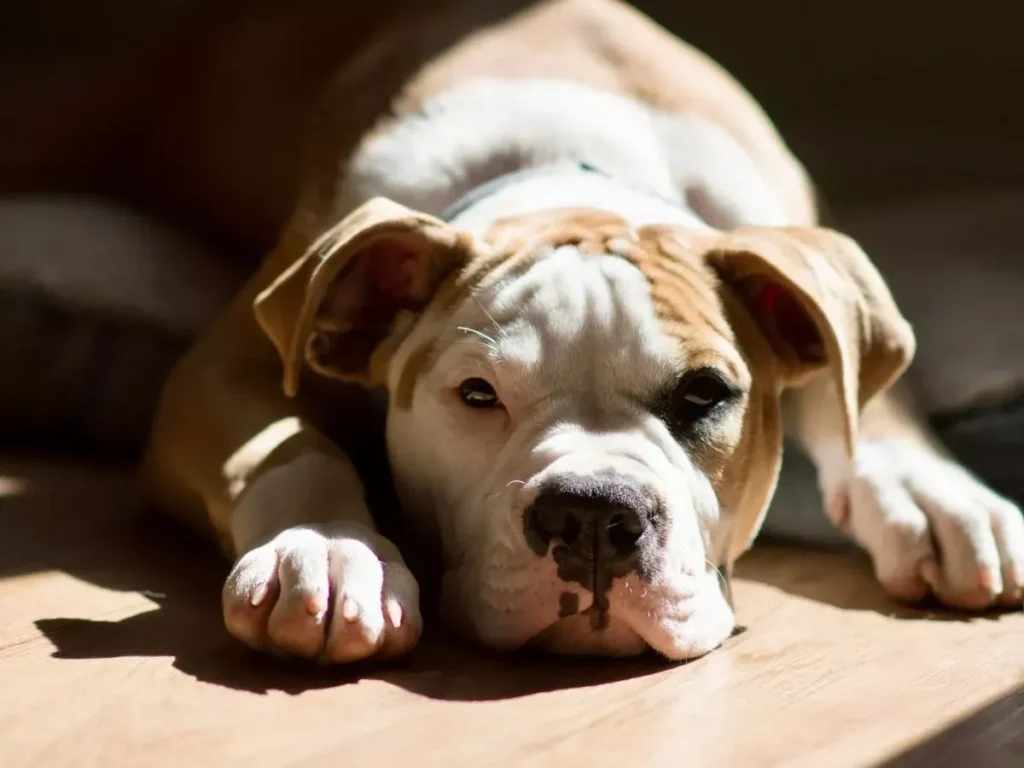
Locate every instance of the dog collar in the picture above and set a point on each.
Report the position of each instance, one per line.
(493, 186)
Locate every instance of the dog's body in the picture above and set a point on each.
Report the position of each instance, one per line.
(584, 356)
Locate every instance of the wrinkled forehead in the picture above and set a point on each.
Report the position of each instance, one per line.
(582, 296)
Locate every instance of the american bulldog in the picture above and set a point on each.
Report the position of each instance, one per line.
(589, 277)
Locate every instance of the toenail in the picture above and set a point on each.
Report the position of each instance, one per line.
(349, 609)
(986, 579)
(257, 595)
(394, 610)
(930, 572)
(315, 605)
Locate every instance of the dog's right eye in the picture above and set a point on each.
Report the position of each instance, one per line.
(477, 393)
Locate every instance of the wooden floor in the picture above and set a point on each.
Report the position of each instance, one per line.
(112, 653)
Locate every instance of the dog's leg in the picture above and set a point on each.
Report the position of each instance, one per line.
(313, 577)
(927, 523)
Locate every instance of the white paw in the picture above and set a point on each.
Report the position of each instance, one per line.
(320, 593)
(931, 526)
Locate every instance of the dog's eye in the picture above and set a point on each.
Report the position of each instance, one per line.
(698, 395)
(704, 390)
(477, 393)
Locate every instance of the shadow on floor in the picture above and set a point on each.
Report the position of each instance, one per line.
(90, 524)
(992, 736)
(841, 578)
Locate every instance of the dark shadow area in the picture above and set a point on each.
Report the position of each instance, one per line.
(992, 737)
(442, 667)
(989, 440)
(89, 522)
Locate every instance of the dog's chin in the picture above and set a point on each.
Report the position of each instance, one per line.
(678, 625)
(576, 636)
(679, 631)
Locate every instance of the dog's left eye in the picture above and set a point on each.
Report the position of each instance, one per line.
(704, 390)
(697, 396)
(477, 393)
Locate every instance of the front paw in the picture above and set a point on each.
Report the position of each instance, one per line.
(322, 592)
(931, 526)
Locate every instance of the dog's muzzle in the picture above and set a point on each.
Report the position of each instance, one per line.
(595, 528)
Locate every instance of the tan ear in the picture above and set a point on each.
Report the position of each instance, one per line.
(823, 308)
(752, 477)
(822, 305)
(334, 306)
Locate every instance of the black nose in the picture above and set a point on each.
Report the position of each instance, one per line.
(597, 522)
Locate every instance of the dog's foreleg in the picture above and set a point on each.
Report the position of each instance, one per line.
(313, 576)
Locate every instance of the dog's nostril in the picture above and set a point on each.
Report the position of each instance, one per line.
(572, 529)
(624, 531)
(548, 521)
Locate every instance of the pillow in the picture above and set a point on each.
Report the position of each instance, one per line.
(96, 303)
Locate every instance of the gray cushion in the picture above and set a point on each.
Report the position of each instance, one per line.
(96, 303)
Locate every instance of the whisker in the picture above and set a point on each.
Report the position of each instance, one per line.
(501, 331)
(505, 489)
(491, 342)
(714, 567)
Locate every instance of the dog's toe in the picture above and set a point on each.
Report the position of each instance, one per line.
(298, 620)
(250, 594)
(376, 606)
(401, 599)
(892, 527)
(1008, 527)
(357, 627)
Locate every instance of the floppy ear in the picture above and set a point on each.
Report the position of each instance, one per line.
(334, 306)
(823, 308)
(822, 305)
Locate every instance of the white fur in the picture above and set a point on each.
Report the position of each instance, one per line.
(488, 127)
(568, 187)
(576, 345)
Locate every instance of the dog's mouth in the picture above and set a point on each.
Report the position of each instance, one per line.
(593, 632)
(592, 576)
(680, 620)
(597, 614)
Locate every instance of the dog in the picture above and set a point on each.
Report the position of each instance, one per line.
(589, 277)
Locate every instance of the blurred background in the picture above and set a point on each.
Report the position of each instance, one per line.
(876, 97)
(176, 126)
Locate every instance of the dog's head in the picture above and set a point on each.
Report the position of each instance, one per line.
(587, 415)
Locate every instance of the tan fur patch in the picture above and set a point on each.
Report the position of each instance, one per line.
(416, 364)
